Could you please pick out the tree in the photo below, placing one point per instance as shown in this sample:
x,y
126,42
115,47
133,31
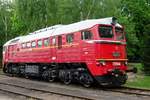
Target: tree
x,y
146,50
139,13
5,22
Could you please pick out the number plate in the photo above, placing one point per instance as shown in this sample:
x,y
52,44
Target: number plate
x,y
116,63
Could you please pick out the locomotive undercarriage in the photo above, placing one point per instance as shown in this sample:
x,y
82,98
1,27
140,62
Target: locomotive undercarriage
x,y
67,73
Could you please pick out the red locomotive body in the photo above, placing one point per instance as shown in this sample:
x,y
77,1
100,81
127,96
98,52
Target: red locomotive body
x,y
87,51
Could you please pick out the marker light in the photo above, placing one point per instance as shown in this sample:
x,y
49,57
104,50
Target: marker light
x,y
126,63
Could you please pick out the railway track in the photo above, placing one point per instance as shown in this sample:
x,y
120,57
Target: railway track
x,y
15,85
20,94
38,94
130,91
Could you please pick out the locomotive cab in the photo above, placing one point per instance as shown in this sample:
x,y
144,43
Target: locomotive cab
x,y
111,55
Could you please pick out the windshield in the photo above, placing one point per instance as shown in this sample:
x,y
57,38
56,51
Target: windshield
x,y
105,32
119,33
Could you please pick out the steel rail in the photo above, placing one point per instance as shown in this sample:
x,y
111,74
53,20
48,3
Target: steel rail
x,y
46,91
130,90
21,94
123,89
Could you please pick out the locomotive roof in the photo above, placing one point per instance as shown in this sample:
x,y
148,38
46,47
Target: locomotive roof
x,y
63,29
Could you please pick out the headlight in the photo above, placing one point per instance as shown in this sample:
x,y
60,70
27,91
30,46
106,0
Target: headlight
x,y
116,63
126,63
103,63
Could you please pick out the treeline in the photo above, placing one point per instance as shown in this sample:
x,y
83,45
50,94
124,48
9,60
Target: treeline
x,y
19,17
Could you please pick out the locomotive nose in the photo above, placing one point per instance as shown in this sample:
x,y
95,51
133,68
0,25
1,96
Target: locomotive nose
x,y
113,78
111,51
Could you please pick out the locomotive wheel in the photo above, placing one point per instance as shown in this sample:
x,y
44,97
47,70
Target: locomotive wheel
x,y
51,78
45,75
86,80
51,75
5,70
67,78
26,76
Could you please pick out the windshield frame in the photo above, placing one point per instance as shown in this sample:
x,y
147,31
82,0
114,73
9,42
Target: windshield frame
x,y
123,33
4,48
106,38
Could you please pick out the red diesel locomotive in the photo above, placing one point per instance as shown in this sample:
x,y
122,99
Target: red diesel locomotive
x,y
86,52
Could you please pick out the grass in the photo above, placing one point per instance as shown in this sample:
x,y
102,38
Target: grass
x,y
137,65
139,80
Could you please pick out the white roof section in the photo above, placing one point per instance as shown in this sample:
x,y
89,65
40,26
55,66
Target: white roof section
x,y
13,41
63,29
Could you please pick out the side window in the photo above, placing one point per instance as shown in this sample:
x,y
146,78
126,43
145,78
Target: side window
x,y
69,38
119,33
54,41
28,44
46,42
33,45
105,32
39,43
86,35
23,45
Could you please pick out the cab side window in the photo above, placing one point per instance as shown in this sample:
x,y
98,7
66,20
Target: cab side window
x,y
39,43
69,38
86,35
105,32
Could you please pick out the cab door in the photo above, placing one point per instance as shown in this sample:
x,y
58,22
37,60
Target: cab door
x,y
88,51
53,49
59,49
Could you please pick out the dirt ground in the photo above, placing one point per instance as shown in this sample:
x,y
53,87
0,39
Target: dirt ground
x,y
8,96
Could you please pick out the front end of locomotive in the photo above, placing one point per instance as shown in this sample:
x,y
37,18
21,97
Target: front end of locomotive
x,y
111,57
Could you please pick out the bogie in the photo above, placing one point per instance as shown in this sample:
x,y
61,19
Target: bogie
x,y
51,73
86,79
